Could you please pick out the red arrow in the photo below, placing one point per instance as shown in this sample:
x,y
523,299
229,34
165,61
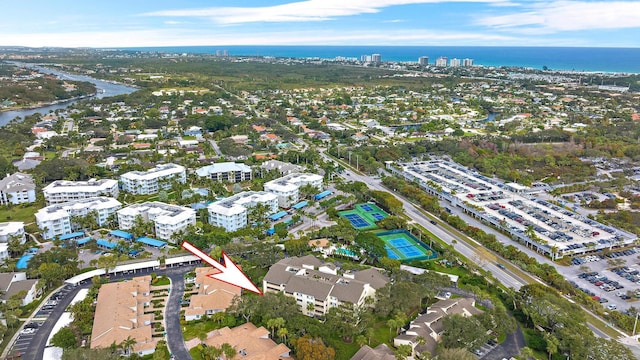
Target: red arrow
x,y
229,272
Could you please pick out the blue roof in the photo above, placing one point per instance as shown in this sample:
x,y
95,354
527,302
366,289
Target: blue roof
x,y
278,215
271,231
83,240
107,244
300,205
152,242
323,194
24,261
72,235
121,234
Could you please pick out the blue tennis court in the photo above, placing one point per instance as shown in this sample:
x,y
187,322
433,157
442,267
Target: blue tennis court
x,y
356,220
403,246
366,207
377,216
399,242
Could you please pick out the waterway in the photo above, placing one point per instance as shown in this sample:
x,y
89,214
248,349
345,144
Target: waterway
x,y
104,88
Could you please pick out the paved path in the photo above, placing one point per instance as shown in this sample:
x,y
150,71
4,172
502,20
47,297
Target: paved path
x,y
510,347
175,340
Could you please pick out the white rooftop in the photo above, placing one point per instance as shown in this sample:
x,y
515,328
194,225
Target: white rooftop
x,y
159,211
238,203
8,228
58,211
153,173
222,167
65,186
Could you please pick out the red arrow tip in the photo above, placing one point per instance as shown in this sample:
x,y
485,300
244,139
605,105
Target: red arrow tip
x,y
229,272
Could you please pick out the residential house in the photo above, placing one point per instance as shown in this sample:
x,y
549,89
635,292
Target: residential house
x,y
380,352
55,220
62,191
120,314
249,341
429,325
167,219
287,187
16,189
12,283
213,295
317,287
284,168
226,171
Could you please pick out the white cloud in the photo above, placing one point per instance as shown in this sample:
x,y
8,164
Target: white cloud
x,y
301,11
568,16
394,21
172,22
178,37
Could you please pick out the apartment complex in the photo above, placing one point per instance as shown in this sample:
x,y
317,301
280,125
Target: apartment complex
x,y
55,220
61,191
167,219
120,314
249,341
14,282
152,180
287,188
12,229
16,189
213,295
231,213
226,171
317,287
428,326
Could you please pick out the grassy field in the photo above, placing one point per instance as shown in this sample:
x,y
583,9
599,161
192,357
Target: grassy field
x,y
23,213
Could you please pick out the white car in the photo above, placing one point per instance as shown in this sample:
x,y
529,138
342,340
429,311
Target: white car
x,y
28,331
612,306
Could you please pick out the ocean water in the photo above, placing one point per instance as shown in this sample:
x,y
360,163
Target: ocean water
x,y
625,60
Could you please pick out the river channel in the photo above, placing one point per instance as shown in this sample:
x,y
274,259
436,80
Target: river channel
x,y
104,88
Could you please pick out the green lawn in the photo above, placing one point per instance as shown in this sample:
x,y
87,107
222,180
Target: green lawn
x,y
161,281
23,213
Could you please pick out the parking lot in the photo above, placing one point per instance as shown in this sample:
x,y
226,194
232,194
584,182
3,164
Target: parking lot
x,y
613,279
30,329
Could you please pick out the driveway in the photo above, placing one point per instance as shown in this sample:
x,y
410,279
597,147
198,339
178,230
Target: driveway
x,y
175,341
510,347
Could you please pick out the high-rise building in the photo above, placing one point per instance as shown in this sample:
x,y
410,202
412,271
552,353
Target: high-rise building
x,y
225,52
441,61
454,62
376,58
467,62
218,52
423,60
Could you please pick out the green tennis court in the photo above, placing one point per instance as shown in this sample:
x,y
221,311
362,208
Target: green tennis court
x,y
364,216
403,246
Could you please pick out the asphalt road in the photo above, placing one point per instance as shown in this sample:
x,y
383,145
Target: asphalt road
x,y
175,341
39,341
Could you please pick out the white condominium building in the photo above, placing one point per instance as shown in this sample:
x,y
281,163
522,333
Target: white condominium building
x,y
18,188
61,191
55,220
11,229
167,218
287,187
152,180
231,213
226,171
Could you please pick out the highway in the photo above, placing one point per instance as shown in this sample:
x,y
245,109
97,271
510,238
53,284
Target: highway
x,y
479,255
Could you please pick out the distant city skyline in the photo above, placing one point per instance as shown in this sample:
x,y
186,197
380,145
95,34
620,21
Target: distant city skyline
x,y
116,23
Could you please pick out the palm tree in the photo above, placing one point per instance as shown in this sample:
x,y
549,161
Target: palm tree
x,y
228,351
282,334
127,344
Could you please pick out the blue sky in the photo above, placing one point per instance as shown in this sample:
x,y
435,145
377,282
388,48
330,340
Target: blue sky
x,y
133,23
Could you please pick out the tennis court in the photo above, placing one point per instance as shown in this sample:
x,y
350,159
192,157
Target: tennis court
x,y
403,246
364,216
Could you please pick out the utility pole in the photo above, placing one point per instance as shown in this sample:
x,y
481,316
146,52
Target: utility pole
x,y
349,158
357,162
